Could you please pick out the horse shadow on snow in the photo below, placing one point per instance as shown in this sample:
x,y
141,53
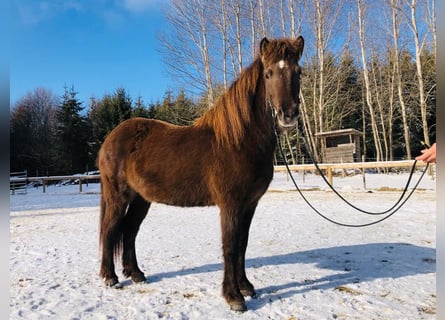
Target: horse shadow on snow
x,y
353,263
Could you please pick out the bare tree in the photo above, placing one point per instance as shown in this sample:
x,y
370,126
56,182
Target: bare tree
x,y
419,44
262,18
431,20
395,30
322,17
369,103
235,7
253,36
213,40
187,53
32,132
221,21
293,33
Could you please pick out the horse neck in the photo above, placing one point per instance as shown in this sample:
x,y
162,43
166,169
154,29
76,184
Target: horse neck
x,y
264,122
240,116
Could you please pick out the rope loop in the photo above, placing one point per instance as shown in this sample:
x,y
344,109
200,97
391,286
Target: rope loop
x,y
389,212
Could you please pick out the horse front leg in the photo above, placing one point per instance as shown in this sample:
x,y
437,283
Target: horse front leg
x,y
246,288
230,230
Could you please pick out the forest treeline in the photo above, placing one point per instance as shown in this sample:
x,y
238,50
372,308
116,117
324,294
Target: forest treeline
x,y
367,65
369,62
52,135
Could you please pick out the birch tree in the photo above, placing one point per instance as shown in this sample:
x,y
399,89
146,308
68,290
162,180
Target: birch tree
x,y
398,77
322,17
419,44
369,103
187,52
211,41
221,21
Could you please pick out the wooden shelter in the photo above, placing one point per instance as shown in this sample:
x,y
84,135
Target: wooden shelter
x,y
340,146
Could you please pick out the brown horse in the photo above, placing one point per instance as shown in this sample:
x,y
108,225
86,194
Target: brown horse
x,y
225,158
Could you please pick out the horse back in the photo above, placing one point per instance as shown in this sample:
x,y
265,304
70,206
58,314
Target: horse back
x,y
162,162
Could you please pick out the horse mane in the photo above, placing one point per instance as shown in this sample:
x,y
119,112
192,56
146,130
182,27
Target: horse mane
x,y
232,112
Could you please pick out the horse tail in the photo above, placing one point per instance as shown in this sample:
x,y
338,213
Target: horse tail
x,y
110,231
102,215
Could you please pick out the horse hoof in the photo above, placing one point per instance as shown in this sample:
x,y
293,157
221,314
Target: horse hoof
x,y
238,306
118,286
248,293
112,282
138,278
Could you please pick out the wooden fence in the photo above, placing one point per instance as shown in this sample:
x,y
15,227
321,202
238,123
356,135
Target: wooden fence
x,y
77,178
17,182
328,168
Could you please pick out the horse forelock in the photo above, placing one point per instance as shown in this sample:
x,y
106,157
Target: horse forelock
x,y
283,49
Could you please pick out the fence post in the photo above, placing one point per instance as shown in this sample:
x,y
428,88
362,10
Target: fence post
x,y
44,185
363,174
329,172
304,172
80,185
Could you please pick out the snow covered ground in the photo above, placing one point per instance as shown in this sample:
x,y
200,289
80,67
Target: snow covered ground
x,y
302,266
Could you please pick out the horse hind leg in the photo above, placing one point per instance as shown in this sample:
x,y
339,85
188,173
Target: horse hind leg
x,y
112,214
136,213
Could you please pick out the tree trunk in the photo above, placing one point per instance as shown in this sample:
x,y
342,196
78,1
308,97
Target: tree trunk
x,y
398,76
418,46
374,126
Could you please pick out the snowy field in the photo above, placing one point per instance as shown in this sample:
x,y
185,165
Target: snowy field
x,y
302,266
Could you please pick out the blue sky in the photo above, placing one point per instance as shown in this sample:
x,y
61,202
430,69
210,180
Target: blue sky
x,y
97,46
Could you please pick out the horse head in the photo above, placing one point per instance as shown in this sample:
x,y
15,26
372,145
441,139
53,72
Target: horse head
x,y
282,78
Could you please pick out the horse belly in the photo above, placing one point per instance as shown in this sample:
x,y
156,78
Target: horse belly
x,y
183,187
176,195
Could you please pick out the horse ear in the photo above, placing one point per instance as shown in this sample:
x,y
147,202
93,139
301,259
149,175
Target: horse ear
x,y
300,44
263,45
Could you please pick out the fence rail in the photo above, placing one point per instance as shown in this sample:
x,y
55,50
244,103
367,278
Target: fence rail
x,y
329,168
17,182
44,180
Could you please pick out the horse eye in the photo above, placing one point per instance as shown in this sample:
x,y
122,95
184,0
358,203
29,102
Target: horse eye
x,y
268,74
298,71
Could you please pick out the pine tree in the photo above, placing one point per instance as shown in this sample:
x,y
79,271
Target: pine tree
x,y
72,134
122,105
139,110
105,115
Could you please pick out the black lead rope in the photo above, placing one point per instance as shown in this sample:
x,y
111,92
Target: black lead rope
x,y
405,189
399,203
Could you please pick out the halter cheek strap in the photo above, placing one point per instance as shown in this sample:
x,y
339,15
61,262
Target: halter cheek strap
x,y
274,116
272,109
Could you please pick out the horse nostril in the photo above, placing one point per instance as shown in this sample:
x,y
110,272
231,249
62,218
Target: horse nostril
x,y
291,114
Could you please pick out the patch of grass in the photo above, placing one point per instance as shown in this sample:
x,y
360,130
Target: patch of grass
x,y
348,290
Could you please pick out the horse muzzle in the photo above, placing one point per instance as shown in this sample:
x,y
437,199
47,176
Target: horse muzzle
x,y
288,119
